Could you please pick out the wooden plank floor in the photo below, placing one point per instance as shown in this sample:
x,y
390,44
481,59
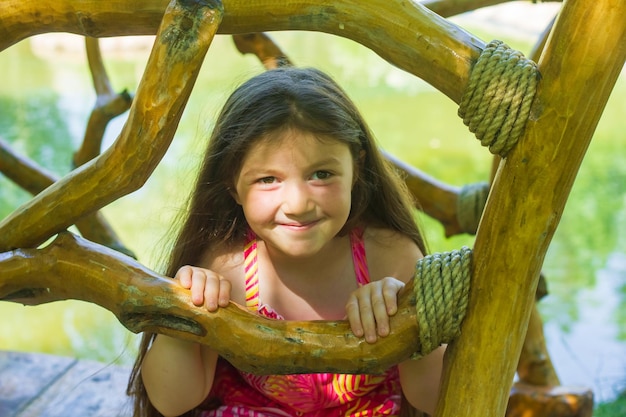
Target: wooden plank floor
x,y
38,385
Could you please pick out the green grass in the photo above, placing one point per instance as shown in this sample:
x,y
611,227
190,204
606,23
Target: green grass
x,y
616,408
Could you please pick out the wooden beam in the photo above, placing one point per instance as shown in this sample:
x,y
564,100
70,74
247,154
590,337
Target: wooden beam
x,y
109,105
34,179
143,300
435,198
579,67
406,34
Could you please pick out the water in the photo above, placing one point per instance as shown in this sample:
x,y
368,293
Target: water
x,y
592,351
46,96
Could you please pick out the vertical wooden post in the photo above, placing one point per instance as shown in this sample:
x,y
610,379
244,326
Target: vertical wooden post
x,y
582,60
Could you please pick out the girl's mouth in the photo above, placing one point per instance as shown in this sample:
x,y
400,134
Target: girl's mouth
x,y
300,226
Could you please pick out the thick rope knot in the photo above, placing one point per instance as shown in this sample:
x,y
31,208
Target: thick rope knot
x,y
470,205
496,102
441,286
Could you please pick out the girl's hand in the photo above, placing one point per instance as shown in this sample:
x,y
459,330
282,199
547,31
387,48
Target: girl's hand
x,y
207,287
370,306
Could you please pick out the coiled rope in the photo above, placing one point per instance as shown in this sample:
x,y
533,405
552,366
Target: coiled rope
x,y
441,287
470,205
496,102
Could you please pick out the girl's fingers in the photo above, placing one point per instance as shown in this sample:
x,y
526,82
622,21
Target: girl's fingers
x,y
368,308
211,290
198,284
368,320
207,287
216,292
380,310
391,288
360,314
224,294
354,317
184,276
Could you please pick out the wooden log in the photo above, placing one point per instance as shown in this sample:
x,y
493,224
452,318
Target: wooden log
x,y
435,198
535,366
579,68
34,179
109,105
263,47
143,300
183,40
533,401
23,171
406,34
448,8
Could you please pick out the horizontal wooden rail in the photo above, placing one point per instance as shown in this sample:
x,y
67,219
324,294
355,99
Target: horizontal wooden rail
x,y
142,300
406,34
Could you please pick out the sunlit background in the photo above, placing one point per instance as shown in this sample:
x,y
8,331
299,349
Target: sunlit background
x,y
46,96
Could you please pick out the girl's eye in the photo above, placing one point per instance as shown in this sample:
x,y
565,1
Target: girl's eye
x,y
266,180
321,175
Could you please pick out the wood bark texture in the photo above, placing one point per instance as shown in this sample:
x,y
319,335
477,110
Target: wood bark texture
x,y
406,34
579,67
143,300
172,68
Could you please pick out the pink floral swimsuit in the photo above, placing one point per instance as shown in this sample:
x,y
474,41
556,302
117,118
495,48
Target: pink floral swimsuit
x,y
239,393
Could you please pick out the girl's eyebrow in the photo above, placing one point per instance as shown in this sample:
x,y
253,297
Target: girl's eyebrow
x,y
268,171
254,171
331,160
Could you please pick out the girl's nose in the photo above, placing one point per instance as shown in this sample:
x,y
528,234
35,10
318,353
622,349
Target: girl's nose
x,y
297,199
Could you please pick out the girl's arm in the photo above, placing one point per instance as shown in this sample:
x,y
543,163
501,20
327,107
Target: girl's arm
x,y
177,374
391,254
421,379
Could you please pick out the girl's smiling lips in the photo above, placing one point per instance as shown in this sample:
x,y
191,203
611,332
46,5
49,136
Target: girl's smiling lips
x,y
299,226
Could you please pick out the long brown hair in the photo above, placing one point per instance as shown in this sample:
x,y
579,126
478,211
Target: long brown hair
x,y
303,99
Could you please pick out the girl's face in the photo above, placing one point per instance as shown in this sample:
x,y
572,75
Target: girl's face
x,y
295,191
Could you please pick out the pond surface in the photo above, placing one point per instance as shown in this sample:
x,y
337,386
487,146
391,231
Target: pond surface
x,y
46,96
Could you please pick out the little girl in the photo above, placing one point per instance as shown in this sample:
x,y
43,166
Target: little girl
x,y
297,216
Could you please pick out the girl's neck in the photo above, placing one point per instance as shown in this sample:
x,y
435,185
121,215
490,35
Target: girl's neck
x,y
329,251
310,288
334,258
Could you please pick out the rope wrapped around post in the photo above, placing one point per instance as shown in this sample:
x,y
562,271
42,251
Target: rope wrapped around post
x,y
441,287
496,102
143,300
470,205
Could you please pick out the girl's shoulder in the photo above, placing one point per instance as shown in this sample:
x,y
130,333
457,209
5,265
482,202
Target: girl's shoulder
x,y
387,239
223,258
228,262
390,253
